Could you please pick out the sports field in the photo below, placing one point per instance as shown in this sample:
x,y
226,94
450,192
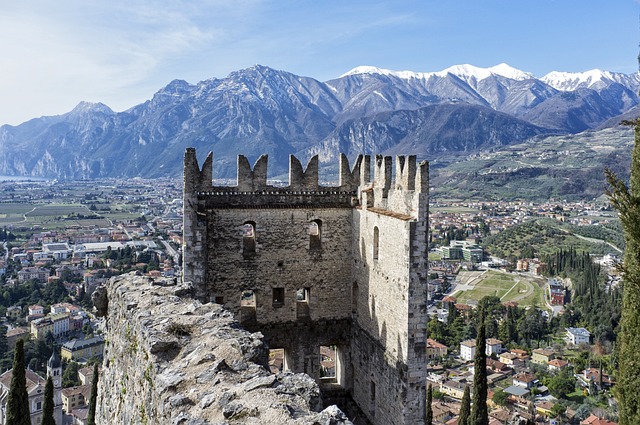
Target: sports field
x,y
474,285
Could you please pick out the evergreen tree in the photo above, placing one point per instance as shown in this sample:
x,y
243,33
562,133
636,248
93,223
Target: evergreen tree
x,y
465,408
70,376
47,407
91,417
428,414
627,201
18,401
479,413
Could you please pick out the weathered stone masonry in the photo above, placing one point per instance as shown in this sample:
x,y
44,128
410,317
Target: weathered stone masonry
x,y
310,266
170,359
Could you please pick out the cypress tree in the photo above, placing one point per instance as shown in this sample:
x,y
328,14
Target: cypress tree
x,y
91,417
627,201
465,409
428,412
48,406
18,401
479,413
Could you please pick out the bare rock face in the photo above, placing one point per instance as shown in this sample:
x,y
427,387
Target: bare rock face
x,y
174,360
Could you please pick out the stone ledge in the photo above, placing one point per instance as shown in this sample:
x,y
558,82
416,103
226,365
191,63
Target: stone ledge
x,y
174,360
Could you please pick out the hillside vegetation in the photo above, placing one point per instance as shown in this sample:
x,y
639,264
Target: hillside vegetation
x,y
538,237
567,167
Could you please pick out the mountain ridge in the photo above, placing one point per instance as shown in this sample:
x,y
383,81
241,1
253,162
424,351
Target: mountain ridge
x,y
262,110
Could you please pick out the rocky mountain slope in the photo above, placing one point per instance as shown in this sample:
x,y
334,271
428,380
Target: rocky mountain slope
x,y
368,110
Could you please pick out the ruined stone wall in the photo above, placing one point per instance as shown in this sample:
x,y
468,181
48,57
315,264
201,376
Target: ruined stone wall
x,y
390,270
366,288
170,359
284,258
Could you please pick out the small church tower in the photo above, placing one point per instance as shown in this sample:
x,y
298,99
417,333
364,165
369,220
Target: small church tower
x,y
54,370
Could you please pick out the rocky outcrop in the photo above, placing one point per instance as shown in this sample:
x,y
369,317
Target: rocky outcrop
x,y
170,359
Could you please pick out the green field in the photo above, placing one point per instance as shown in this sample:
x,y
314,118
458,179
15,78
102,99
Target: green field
x,y
524,290
60,215
14,213
57,210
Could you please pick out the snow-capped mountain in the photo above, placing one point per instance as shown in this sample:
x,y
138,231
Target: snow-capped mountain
x,y
595,78
367,110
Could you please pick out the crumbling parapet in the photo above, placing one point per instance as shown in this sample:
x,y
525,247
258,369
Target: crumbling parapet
x,y
170,359
252,180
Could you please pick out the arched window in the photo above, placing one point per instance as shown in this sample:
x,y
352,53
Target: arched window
x,y
376,242
249,239
315,235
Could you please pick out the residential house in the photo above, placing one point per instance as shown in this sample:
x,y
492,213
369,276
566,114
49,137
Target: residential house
x,y
435,349
593,375
521,354
594,420
14,312
493,346
556,292
85,375
525,380
577,336
75,397
41,327
497,366
60,324
14,335
443,411
35,312
557,364
518,396
82,349
542,355
80,416
545,408
33,273
468,349
453,389
36,309
510,359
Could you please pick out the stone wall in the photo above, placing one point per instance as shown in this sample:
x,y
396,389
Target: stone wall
x,y
169,359
284,258
361,287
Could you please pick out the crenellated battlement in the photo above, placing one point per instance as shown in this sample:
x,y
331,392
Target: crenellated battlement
x,y
409,176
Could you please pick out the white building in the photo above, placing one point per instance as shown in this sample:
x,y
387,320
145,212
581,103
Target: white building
x,y
577,336
468,349
494,346
60,324
59,251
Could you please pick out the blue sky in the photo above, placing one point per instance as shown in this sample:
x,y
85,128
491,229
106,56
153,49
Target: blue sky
x,y
56,54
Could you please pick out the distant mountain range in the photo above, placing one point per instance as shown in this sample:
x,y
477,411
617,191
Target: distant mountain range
x,y
457,111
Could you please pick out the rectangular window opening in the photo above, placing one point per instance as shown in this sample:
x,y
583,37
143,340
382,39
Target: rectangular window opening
x,y
278,297
372,394
302,295
247,306
302,304
328,363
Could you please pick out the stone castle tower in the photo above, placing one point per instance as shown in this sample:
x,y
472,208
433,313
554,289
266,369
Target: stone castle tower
x,y
334,277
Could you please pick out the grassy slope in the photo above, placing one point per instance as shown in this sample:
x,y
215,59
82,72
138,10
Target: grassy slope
x,y
544,236
561,167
